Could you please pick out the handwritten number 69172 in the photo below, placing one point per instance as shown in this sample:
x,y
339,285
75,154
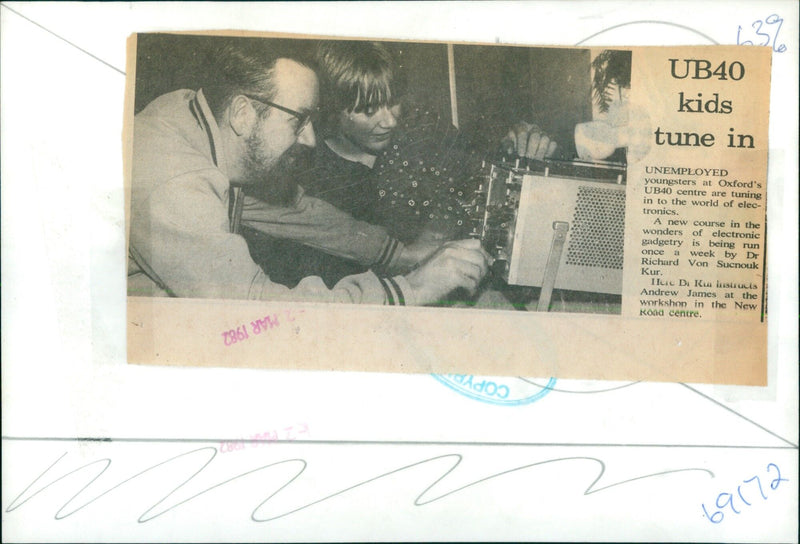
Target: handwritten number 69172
x,y
727,499
777,481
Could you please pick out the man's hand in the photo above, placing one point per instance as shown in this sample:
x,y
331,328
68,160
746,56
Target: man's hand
x,y
526,140
419,250
415,253
462,263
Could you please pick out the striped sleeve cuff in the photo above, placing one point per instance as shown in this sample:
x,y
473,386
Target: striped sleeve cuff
x,y
398,291
392,249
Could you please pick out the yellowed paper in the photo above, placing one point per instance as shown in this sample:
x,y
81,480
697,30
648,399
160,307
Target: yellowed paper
x,y
651,267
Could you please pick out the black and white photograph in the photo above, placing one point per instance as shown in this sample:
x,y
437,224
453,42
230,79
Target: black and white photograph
x,y
378,172
399,271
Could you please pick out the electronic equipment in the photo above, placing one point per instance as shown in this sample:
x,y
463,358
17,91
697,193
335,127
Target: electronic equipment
x,y
553,224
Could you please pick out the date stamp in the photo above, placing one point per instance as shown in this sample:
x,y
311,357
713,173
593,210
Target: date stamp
x,y
258,326
285,434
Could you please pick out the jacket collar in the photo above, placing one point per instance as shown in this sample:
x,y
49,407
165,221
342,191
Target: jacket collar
x,y
202,113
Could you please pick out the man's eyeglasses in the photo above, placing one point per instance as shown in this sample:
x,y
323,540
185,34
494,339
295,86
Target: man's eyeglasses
x,y
303,119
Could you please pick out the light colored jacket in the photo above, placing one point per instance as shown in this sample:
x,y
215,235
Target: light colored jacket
x,y
180,241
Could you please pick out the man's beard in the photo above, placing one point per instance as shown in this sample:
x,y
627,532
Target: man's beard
x,y
269,178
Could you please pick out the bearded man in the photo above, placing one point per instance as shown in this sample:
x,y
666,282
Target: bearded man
x,y
192,148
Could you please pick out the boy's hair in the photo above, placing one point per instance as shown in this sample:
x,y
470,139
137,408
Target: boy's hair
x,y
355,76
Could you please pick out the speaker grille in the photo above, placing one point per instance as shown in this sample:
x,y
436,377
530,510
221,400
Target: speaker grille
x,y
597,233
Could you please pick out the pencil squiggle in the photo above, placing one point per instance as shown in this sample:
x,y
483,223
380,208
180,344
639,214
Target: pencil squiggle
x,y
294,469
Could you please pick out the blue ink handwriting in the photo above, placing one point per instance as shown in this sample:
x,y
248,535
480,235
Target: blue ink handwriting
x,y
727,499
767,30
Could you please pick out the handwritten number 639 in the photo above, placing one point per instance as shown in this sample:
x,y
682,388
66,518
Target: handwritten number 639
x,y
727,499
768,25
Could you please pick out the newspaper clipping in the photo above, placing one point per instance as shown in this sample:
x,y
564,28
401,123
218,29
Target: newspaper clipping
x,y
310,203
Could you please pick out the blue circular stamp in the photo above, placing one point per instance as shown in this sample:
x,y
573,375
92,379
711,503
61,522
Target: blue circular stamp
x,y
501,391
